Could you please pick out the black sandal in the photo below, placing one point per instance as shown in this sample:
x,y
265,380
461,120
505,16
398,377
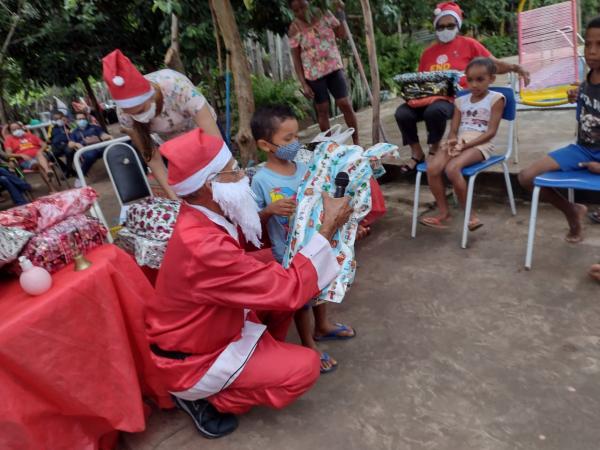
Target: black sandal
x,y
406,170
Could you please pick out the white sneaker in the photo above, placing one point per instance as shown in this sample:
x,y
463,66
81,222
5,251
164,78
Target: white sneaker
x,y
77,183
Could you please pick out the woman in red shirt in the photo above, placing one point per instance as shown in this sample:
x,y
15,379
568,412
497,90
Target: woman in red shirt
x,y
28,149
451,51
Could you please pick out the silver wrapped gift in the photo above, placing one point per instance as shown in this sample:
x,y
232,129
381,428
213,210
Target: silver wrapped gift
x,y
12,241
147,252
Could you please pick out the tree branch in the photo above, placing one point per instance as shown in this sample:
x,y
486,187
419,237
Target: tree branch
x,y
11,31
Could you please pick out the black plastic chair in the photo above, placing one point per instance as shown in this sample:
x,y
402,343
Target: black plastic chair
x,y
126,173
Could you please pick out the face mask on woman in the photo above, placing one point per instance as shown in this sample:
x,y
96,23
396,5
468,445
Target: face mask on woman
x,y
146,116
446,36
82,123
18,133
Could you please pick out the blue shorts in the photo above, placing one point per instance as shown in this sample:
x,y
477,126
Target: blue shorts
x,y
27,164
569,157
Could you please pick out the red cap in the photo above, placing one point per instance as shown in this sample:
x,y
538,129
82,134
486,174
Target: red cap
x,y
448,9
193,157
126,84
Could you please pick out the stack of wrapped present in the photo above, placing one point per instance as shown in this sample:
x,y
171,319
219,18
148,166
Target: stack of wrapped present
x,y
148,228
50,231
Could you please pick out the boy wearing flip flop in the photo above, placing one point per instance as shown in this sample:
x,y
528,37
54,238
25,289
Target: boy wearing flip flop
x,y
275,130
583,155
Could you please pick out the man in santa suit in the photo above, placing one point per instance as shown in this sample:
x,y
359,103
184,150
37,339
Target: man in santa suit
x,y
218,323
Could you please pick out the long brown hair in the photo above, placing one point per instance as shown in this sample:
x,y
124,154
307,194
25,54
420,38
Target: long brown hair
x,y
142,130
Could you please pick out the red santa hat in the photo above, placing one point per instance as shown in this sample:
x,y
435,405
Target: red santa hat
x,y
193,157
448,9
126,84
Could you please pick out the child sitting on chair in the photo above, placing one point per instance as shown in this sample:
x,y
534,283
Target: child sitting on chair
x,y
474,125
275,130
585,154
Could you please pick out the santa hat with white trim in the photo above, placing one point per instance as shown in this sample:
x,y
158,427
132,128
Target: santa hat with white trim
x,y
126,84
193,157
448,9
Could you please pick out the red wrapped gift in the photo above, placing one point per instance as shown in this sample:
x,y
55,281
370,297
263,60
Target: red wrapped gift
x,y
52,249
47,211
153,218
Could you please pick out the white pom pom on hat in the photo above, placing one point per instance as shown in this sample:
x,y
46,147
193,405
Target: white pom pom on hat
x,y
437,11
118,81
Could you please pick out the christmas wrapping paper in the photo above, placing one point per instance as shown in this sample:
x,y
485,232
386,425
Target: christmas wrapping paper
x,y
330,159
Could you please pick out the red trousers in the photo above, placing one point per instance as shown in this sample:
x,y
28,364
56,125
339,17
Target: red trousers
x,y
276,374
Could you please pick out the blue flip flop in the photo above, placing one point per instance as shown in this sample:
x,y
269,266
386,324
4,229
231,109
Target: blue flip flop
x,y
335,334
326,358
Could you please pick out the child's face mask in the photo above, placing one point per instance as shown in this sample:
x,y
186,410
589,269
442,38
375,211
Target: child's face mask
x,y
289,151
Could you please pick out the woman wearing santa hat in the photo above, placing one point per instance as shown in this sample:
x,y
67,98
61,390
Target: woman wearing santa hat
x,y
451,51
155,108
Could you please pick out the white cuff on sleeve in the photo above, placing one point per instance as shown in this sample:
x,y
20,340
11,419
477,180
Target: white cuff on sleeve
x,y
319,251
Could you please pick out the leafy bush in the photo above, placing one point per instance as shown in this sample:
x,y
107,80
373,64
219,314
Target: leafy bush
x,y
395,55
500,46
287,92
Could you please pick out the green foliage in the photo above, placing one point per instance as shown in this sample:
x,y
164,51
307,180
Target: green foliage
x,y
287,92
395,55
500,46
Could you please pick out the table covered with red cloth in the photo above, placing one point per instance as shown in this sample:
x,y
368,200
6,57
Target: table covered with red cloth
x,y
74,362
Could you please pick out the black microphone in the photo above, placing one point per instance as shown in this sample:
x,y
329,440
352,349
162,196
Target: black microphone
x,y
341,181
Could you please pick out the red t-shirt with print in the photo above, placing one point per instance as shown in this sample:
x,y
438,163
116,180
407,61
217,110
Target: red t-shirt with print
x,y
28,144
454,55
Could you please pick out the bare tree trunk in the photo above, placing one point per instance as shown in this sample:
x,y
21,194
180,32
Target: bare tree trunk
x,y
241,77
16,17
217,38
173,56
92,95
3,114
372,52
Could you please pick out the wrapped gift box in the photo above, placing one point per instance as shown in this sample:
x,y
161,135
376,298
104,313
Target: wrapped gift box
x,y
52,249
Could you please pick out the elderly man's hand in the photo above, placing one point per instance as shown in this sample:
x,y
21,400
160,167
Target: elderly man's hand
x,y
336,212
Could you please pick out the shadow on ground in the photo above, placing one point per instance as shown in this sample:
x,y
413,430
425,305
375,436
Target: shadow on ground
x,y
456,349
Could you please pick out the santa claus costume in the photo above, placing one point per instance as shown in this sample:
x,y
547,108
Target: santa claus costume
x,y
220,315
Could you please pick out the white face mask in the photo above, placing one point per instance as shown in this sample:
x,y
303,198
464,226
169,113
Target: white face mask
x,y
147,115
18,133
446,36
238,203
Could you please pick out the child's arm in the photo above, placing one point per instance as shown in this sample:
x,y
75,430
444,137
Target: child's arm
x,y
450,145
455,124
492,129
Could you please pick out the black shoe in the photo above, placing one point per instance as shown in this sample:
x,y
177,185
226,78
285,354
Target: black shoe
x,y
210,423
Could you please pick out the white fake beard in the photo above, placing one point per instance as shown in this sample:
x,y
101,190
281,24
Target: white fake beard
x,y
239,205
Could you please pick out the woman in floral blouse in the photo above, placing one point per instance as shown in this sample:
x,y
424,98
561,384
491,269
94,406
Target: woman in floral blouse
x,y
155,108
318,62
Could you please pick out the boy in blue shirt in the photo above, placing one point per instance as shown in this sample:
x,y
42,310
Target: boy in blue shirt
x,y
275,130
585,154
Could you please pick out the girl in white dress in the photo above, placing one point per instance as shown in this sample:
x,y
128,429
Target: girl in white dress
x,y
474,125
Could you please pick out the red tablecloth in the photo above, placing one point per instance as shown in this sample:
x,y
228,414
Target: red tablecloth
x,y
74,362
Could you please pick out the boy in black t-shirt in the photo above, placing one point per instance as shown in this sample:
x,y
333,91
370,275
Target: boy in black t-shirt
x,y
585,154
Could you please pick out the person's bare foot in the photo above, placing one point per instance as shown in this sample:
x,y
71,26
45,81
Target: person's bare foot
x,y
594,272
575,234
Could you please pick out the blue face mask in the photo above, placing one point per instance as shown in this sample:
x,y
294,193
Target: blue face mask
x,y
82,123
289,151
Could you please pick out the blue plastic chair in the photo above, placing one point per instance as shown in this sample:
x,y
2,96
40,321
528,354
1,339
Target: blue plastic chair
x,y
575,179
471,172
